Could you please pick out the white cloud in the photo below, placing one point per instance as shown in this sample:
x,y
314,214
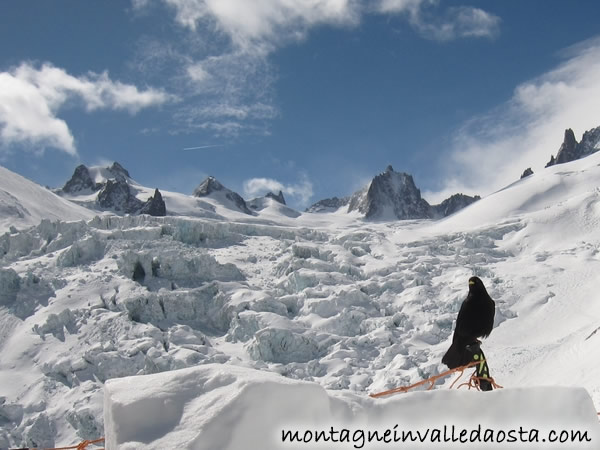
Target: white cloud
x,y
301,191
492,151
26,116
444,25
473,22
30,98
140,4
197,73
398,6
263,25
254,24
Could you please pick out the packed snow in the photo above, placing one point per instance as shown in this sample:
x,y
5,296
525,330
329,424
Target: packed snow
x,y
229,408
321,308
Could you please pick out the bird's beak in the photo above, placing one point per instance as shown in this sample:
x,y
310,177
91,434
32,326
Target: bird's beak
x,y
471,283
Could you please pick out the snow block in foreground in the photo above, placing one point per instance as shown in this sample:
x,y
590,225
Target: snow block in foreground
x,y
228,407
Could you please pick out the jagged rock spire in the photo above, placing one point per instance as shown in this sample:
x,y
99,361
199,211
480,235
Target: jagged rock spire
x,y
278,198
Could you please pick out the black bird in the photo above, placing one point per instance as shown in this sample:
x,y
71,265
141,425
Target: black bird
x,y
475,320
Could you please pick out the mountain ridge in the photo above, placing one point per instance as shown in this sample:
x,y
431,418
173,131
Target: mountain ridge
x,y
390,195
109,189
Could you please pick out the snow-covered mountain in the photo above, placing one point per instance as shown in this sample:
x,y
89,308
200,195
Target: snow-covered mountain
x,y
390,195
273,205
393,195
212,188
24,203
350,305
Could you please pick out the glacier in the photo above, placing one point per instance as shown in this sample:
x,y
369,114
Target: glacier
x,y
329,307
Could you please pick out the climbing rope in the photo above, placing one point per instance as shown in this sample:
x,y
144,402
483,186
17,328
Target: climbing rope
x,y
474,382
81,446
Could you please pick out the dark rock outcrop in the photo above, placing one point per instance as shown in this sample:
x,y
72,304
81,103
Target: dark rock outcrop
x,y
568,150
118,170
527,172
211,187
571,150
590,142
551,162
116,196
328,205
278,198
453,204
154,206
81,181
207,187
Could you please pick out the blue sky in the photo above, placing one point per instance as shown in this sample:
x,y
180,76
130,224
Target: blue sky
x,y
313,97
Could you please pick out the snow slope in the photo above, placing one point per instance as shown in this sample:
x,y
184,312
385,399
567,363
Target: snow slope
x,y
353,306
24,203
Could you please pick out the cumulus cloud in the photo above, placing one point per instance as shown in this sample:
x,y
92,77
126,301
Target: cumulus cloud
x,y
491,152
260,24
301,191
30,98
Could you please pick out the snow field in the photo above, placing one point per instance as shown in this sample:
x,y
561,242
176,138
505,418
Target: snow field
x,y
24,203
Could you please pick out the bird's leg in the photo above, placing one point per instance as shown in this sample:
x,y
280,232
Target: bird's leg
x,y
482,371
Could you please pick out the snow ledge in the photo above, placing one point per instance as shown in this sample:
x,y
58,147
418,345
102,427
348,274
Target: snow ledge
x,y
229,407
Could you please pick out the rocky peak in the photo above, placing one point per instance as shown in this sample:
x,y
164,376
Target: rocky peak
x,y
568,149
118,170
80,181
211,186
453,204
590,142
278,198
571,150
391,194
207,187
155,205
82,178
116,196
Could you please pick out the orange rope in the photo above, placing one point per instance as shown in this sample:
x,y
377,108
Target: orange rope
x,y
475,383
430,380
81,446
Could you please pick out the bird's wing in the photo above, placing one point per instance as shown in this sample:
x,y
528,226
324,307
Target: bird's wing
x,y
462,319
